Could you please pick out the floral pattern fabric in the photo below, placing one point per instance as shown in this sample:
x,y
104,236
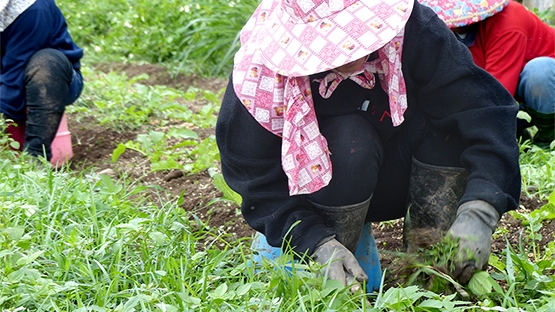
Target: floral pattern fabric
x,y
466,12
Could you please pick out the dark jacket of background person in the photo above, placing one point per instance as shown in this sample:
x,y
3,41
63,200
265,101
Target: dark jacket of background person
x,y
435,66
41,26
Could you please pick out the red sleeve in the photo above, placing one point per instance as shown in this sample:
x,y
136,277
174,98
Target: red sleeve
x,y
505,53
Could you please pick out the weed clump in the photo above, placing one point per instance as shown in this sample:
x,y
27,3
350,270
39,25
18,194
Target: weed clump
x,y
429,262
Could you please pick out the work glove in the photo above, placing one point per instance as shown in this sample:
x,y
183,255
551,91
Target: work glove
x,y
343,266
475,223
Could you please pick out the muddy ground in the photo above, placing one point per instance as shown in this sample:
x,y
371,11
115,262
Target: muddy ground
x,y
93,146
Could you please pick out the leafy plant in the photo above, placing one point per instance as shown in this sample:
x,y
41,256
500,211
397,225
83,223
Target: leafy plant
x,y
537,167
124,103
529,282
188,36
208,40
413,298
7,144
190,155
221,185
533,222
547,15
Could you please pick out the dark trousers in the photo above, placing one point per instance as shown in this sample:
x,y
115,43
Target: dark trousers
x,y
51,84
365,164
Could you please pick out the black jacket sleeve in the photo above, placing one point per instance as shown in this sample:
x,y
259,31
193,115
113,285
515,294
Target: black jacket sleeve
x,y
457,95
251,164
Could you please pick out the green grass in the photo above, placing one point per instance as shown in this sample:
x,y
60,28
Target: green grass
x,y
186,36
537,167
88,243
80,241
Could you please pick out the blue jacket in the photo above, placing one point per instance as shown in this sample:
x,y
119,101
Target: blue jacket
x,y
41,26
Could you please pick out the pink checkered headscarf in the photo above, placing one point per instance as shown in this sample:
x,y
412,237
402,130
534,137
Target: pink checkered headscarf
x,y
285,41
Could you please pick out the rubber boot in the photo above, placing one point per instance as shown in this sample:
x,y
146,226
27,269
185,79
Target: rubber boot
x,y
355,233
522,130
41,130
48,76
434,194
369,259
366,253
546,128
263,249
346,221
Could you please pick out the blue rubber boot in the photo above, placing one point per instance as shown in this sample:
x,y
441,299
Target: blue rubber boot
x,y
263,249
369,259
366,254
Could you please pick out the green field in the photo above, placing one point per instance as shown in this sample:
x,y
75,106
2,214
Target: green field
x,y
81,240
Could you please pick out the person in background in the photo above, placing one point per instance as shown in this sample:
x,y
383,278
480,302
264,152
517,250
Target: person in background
x,y
517,48
342,113
40,71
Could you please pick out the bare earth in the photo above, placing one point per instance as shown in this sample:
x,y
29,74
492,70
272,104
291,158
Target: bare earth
x,y
93,146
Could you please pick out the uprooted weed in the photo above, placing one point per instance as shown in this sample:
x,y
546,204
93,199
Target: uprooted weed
x,y
429,264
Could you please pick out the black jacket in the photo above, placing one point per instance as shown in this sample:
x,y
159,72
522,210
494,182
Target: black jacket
x,y
442,81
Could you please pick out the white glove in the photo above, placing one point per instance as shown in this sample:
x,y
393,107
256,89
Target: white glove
x,y
475,223
343,266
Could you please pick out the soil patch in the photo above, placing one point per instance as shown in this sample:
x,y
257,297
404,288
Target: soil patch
x,y
158,75
93,146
